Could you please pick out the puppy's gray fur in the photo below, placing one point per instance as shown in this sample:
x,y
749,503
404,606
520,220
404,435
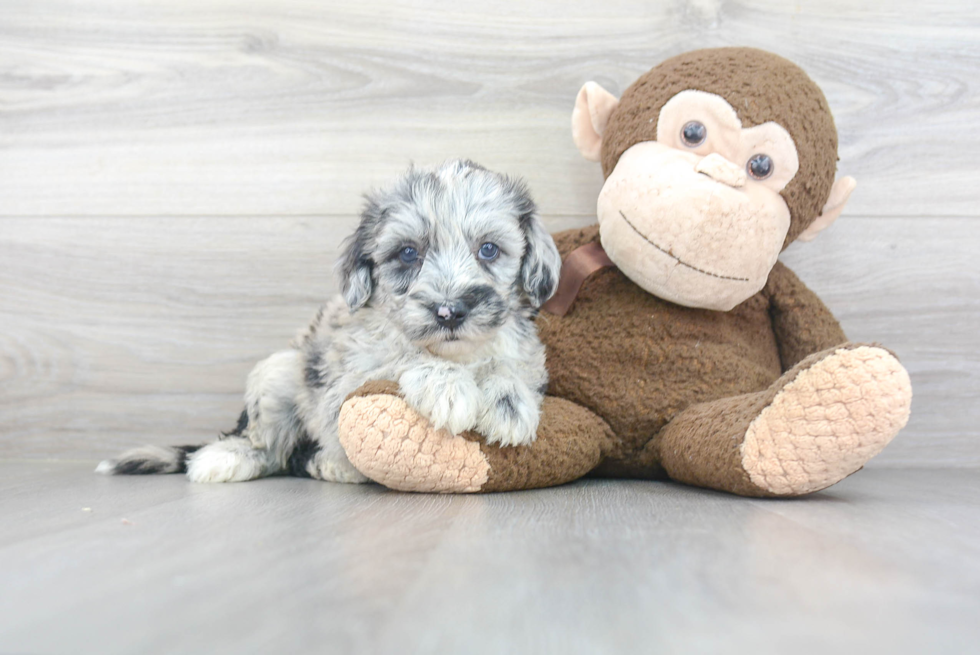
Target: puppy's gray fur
x,y
486,373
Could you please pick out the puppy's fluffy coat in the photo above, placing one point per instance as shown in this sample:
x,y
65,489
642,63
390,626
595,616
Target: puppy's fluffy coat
x,y
441,283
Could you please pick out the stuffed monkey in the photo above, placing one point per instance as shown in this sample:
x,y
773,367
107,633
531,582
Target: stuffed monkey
x,y
678,346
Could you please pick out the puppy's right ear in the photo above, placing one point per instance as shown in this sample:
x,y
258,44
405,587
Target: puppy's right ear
x,y
356,267
541,265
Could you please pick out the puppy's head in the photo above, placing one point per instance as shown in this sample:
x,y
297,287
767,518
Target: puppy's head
x,y
450,254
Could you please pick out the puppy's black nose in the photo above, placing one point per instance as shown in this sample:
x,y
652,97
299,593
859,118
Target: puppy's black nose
x,y
451,315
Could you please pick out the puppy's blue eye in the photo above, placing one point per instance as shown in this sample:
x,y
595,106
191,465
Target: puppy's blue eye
x,y
488,251
408,255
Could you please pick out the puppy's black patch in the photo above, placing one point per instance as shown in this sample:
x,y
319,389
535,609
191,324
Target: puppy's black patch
x,y
184,451
402,278
545,287
141,467
312,373
488,308
303,453
506,405
239,429
155,466
478,295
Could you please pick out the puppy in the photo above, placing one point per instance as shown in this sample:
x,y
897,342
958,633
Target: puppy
x,y
441,283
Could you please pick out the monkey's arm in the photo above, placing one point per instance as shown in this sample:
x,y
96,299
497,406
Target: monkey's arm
x,y
393,445
802,323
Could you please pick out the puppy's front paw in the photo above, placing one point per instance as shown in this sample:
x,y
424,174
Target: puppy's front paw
x,y
510,414
445,393
335,467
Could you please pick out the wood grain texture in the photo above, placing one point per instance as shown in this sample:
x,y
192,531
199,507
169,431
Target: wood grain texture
x,y
291,107
885,562
123,331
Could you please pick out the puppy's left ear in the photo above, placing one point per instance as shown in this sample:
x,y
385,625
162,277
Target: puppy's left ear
x,y
356,268
541,264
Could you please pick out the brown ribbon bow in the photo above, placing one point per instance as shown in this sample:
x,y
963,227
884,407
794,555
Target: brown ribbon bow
x,y
580,264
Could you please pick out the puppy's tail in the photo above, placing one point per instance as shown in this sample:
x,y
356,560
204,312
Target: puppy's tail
x,y
157,460
148,460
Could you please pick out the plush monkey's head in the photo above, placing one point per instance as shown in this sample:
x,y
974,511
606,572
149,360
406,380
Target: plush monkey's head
x,y
715,161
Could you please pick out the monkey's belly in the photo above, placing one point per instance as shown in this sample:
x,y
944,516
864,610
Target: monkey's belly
x,y
637,360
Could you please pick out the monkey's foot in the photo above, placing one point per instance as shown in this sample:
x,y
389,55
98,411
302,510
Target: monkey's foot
x,y
828,421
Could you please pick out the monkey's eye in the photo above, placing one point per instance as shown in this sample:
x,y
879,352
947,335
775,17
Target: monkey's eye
x,y
760,166
408,255
693,134
488,252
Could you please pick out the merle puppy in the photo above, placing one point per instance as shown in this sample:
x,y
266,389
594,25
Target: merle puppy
x,y
441,283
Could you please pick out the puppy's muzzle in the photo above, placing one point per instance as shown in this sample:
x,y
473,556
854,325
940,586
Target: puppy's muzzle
x,y
451,315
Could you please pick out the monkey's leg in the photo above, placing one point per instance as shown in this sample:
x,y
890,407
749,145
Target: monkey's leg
x,y
820,422
390,443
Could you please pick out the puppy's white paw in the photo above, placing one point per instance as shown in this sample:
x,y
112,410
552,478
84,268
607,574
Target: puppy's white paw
x,y
445,393
511,413
336,468
224,462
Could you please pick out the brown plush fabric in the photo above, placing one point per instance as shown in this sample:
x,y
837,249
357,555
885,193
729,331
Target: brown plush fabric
x,y
375,387
637,360
801,322
672,356
761,87
571,442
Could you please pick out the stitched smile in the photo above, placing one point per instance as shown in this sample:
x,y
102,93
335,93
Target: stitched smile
x,y
677,259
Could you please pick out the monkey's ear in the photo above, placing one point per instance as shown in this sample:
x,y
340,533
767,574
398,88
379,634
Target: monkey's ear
x,y
593,106
839,194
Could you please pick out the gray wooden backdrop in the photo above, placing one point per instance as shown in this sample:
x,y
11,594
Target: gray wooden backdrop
x,y
175,178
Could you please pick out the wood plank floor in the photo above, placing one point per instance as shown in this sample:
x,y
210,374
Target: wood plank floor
x,y
886,561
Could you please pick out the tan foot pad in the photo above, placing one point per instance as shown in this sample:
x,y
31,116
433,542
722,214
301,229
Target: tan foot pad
x,y
392,444
826,423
